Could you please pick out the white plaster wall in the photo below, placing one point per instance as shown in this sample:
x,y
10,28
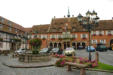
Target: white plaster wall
x,y
5,46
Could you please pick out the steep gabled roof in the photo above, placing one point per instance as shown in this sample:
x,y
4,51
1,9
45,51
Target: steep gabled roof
x,y
105,25
12,24
40,28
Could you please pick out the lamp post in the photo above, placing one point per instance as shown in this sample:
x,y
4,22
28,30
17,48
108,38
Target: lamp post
x,y
89,22
26,39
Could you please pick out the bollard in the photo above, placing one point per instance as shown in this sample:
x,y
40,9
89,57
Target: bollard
x,y
97,57
82,71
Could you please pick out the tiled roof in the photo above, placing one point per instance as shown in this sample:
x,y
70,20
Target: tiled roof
x,y
40,28
70,24
12,24
105,25
28,29
59,25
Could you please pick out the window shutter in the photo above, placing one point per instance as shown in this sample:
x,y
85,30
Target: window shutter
x,y
102,32
106,32
86,35
112,32
75,35
97,32
104,41
91,32
81,35
92,41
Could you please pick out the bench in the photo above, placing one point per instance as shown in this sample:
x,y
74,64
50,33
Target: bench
x,y
80,66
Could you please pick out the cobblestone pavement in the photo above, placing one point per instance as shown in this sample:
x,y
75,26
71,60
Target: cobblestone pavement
x,y
4,70
105,57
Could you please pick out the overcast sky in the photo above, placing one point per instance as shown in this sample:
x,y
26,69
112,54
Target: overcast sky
x,y
35,12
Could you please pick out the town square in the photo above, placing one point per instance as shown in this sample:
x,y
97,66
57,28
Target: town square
x,y
40,37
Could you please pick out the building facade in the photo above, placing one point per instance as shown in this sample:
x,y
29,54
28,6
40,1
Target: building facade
x,y
68,32
12,35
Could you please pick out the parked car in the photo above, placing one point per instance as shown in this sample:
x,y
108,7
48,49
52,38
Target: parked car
x,y
69,51
20,51
55,50
90,49
80,47
44,51
101,48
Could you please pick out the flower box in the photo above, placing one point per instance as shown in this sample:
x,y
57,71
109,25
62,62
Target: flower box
x,y
100,34
94,34
109,34
84,38
59,38
53,39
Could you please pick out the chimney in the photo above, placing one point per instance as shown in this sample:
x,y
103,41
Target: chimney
x,y
112,19
54,17
64,16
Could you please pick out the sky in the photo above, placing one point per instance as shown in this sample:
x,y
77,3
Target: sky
x,y
38,12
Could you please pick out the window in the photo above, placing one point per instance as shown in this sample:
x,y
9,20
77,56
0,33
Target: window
x,y
32,36
83,36
66,34
35,36
94,41
59,36
74,36
101,32
2,20
1,26
10,28
97,32
16,30
9,23
43,36
108,32
52,36
93,33
1,44
103,41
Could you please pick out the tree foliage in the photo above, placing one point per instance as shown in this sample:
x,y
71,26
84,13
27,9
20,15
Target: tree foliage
x,y
35,43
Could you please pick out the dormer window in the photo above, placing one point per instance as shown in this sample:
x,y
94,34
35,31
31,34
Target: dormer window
x,y
79,17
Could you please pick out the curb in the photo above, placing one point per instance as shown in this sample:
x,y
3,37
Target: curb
x,y
89,69
12,66
99,70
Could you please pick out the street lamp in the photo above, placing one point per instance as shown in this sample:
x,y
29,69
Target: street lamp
x,y
26,39
89,22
